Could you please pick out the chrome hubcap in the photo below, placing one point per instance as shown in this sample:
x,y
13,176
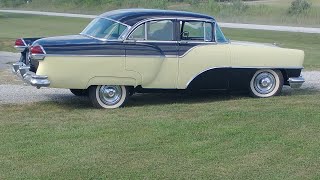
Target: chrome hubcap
x,y
110,95
264,83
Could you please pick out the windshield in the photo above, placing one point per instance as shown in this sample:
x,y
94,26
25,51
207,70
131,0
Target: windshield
x,y
105,29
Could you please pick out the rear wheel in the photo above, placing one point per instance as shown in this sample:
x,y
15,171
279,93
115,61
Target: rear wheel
x,y
79,92
108,96
266,83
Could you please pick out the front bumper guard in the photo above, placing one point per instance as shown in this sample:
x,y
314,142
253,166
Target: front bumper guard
x,y
23,71
296,82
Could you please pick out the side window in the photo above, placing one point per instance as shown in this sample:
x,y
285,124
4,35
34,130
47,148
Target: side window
x,y
196,31
154,31
139,33
220,36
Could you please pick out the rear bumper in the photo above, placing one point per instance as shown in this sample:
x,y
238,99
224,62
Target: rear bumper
x,y
23,71
296,82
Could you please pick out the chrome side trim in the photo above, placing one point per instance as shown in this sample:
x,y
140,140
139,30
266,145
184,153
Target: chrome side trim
x,y
140,56
72,55
296,82
152,41
267,67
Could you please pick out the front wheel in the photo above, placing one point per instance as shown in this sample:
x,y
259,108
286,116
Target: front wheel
x,y
266,83
108,96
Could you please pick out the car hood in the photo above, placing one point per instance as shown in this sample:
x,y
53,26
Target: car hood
x,y
66,40
246,43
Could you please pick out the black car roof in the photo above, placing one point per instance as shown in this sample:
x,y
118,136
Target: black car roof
x,y
132,16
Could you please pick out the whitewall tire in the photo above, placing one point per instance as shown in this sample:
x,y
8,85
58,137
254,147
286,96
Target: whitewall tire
x,y
108,96
266,83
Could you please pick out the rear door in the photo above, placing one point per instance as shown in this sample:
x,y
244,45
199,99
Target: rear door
x,y
152,51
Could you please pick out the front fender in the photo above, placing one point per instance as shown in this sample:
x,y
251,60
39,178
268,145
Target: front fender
x,y
265,56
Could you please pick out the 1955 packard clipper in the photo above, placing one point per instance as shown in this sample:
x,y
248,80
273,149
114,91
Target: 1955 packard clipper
x,y
139,50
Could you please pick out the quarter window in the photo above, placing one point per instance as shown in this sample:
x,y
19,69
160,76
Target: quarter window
x,y
154,31
196,31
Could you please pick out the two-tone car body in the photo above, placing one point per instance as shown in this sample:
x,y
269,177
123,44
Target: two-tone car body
x,y
140,50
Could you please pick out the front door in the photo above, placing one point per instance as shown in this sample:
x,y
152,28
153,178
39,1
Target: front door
x,y
152,51
203,63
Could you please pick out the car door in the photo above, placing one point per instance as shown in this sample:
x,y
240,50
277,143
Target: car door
x,y
203,63
152,51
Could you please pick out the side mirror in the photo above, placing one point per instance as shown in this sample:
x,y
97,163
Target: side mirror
x,y
185,34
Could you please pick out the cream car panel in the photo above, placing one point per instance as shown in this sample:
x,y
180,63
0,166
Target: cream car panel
x,y
81,72
156,72
202,58
265,56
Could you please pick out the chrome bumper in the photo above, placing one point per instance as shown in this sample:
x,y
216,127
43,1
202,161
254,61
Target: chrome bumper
x,y
296,82
23,71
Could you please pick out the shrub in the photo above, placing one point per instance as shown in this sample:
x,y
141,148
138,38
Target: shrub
x,y
239,5
299,6
12,3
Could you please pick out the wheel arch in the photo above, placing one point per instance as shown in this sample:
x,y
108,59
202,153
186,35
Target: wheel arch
x,y
109,80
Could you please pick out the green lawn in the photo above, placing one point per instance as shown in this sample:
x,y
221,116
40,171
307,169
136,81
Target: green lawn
x,y
13,26
164,137
261,12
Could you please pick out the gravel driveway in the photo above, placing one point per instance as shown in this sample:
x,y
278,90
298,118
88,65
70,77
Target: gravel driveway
x,y
7,58
13,91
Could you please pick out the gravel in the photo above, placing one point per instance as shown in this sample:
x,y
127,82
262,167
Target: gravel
x,y
7,58
22,94
12,93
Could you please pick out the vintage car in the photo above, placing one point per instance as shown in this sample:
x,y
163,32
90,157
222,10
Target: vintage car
x,y
141,50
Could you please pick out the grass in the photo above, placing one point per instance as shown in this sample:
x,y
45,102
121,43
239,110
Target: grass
x,y
265,12
164,137
17,25
6,77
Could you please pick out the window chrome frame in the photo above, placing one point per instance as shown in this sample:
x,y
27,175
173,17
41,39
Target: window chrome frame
x,y
134,27
121,37
216,37
138,24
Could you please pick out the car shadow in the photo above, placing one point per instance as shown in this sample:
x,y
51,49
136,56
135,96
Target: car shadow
x,y
181,98
158,99
145,99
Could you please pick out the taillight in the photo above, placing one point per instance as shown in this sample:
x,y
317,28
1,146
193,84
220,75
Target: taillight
x,y
20,42
37,50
